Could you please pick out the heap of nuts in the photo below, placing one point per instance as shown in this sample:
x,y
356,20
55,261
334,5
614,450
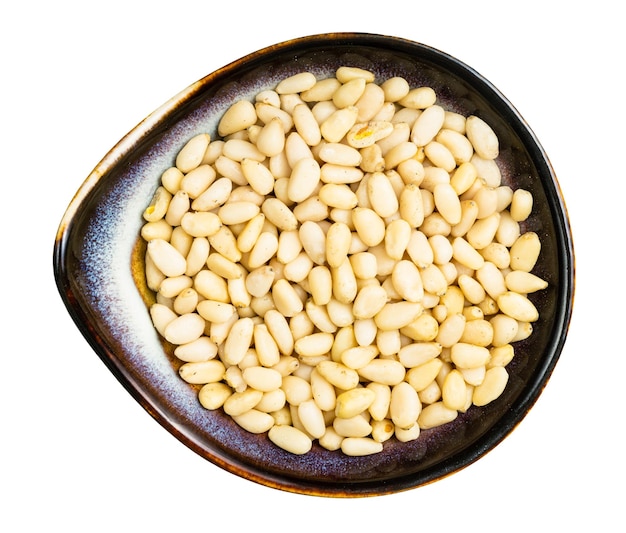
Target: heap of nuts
x,y
343,264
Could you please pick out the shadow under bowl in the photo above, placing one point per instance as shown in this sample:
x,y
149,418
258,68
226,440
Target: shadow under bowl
x,y
98,267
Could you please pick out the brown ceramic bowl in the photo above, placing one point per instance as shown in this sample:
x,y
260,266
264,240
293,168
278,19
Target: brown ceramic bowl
x,y
98,270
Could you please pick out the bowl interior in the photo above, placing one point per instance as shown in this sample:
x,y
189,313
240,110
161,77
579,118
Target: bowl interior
x,y
98,268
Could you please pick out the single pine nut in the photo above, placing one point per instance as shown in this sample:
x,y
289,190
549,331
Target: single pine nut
x,y
482,137
190,156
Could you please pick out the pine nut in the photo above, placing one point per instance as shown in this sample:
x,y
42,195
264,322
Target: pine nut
x,y
190,156
482,137
492,386
202,372
404,406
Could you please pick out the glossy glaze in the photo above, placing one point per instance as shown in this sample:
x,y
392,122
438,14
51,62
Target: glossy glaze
x,y
98,269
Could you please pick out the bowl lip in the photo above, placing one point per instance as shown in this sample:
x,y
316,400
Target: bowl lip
x,y
441,470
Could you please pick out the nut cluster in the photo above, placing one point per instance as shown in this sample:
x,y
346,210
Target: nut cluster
x,y
342,264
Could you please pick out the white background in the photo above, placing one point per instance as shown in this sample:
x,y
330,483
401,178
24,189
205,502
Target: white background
x,y
77,453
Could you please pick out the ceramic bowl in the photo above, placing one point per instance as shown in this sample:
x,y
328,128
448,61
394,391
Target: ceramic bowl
x,y
98,266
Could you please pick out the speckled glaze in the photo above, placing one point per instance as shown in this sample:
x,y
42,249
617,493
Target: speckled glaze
x,y
98,270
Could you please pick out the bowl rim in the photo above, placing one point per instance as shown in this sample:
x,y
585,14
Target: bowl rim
x,y
559,211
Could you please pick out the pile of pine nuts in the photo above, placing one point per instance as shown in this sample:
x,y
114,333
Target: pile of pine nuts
x,y
342,264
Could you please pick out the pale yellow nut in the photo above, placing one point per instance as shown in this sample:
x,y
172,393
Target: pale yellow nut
x,y
482,137
517,306
353,402
190,156
237,117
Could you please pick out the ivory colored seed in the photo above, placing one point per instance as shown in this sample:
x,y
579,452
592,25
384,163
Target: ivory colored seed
x,y
213,395
202,349
397,237
211,286
237,117
223,241
482,137
237,212
504,329
215,311
525,252
322,391
306,124
297,389
296,83
407,434
223,267
419,98
521,205
247,237
298,269
260,280
314,344
386,371
359,446
420,377
466,355
312,418
427,125
279,214
353,402
447,203
290,439
184,329
200,223
338,374
339,123
369,301
304,178
202,372
356,426
338,196
338,240
451,330
358,356
255,421
382,430
381,195
262,378
190,156
492,386
160,229
166,258
263,250
517,306
349,92
286,298
369,225
411,205
405,405
238,341
466,254
501,355
198,180
239,403
271,138
453,391
436,414
400,153
524,282
257,175
340,154
158,205
479,332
